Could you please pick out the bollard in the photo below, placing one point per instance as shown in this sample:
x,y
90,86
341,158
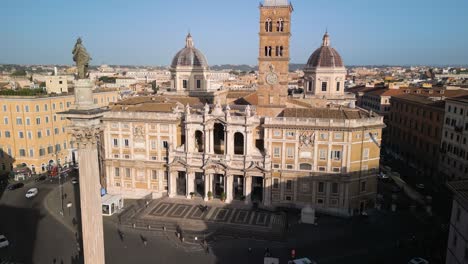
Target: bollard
x,y
183,239
149,227
164,228
134,225
196,238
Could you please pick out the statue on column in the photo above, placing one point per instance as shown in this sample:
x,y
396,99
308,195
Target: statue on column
x,y
82,58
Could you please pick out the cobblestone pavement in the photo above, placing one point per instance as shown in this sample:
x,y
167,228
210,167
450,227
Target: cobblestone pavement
x,y
210,220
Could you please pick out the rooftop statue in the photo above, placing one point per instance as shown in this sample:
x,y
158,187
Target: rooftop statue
x,y
82,58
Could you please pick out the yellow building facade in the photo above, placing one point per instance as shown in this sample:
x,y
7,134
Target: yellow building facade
x,y
32,132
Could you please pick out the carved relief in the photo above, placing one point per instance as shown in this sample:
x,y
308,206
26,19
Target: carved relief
x,y
306,139
86,137
138,133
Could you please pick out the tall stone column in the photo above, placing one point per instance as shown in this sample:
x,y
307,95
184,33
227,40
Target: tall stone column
x,y
190,183
229,187
90,194
248,189
172,183
267,190
207,186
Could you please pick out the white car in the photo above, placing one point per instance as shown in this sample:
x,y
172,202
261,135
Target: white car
x,y
4,242
418,261
382,175
31,192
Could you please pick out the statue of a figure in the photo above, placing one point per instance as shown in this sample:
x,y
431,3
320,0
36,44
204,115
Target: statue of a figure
x,y
82,58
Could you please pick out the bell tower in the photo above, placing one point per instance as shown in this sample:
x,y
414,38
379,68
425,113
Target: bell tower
x,y
273,59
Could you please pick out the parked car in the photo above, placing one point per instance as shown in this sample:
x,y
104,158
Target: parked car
x,y
418,261
74,181
4,241
382,175
15,186
41,178
32,192
420,186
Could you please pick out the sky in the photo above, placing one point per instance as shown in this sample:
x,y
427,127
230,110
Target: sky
x,y
150,32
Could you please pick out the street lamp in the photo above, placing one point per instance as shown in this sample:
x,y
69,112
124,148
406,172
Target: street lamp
x,y
60,183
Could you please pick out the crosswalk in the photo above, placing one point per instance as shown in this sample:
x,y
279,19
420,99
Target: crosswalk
x,y
8,262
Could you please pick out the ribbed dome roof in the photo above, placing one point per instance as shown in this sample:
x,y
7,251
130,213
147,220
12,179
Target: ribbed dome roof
x,y
325,56
189,56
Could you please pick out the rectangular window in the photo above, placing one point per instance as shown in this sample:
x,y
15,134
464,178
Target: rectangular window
x,y
276,152
117,172
50,150
288,185
289,166
277,133
323,154
290,134
334,188
363,186
29,135
323,136
46,107
116,142
338,135
53,106
275,183
18,109
41,152
5,120
22,153
198,84
28,121
276,166
338,86
185,84
47,119
126,143
19,121
321,187
366,153
56,131
7,134
128,173
154,175
21,134
336,169
39,134
31,153
153,144
290,152
335,155
48,132
4,108
324,86
38,120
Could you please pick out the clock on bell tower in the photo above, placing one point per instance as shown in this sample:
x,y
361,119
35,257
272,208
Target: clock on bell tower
x,y
273,59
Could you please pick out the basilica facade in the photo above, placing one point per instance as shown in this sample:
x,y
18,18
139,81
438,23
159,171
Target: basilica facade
x,y
242,147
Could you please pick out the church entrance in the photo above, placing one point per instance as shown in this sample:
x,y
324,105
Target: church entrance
x,y
181,183
199,184
257,189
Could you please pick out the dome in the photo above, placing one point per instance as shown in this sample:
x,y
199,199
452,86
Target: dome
x,y
189,56
325,56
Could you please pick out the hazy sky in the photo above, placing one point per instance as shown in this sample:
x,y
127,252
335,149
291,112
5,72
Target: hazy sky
x,y
150,32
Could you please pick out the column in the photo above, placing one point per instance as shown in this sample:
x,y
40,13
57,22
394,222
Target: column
x,y
90,194
190,183
172,181
207,186
229,187
229,139
267,185
248,189
211,140
161,181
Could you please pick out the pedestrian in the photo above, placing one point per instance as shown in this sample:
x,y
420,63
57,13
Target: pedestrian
x,y
249,250
121,234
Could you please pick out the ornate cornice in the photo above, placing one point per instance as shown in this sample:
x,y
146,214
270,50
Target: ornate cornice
x,y
86,137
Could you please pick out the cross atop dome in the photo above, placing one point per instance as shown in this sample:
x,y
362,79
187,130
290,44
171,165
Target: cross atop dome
x,y
276,3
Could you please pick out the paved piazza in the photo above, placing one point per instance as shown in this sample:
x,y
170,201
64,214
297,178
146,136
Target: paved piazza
x,y
197,215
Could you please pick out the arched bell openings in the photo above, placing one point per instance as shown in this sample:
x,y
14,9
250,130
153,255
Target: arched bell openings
x,y
268,25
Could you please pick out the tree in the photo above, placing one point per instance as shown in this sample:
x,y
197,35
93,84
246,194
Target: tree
x,y
20,72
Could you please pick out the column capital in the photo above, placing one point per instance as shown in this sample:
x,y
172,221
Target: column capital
x,y
86,137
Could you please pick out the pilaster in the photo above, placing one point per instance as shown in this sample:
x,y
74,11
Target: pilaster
x,y
229,187
248,189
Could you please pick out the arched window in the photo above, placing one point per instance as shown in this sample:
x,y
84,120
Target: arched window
x,y
238,143
305,166
268,25
218,140
268,51
199,141
280,25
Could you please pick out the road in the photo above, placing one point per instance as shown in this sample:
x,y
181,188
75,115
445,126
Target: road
x,y
37,237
